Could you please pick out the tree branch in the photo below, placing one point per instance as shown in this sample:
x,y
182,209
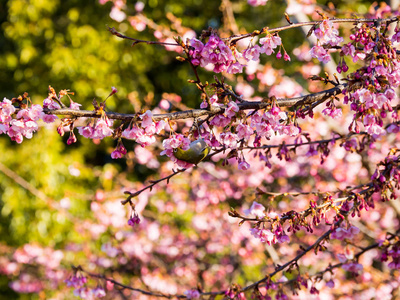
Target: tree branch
x,y
195,113
234,39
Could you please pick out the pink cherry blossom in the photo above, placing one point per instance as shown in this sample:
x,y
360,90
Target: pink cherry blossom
x,y
257,2
256,209
252,53
320,53
147,118
269,43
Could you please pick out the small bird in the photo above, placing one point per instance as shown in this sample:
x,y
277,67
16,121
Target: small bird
x,y
198,150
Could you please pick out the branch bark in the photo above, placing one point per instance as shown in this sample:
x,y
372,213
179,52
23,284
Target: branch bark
x,y
196,113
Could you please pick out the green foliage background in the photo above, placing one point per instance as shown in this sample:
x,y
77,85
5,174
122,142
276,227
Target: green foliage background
x,y
66,44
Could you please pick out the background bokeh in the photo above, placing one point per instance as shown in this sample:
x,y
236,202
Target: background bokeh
x,y
66,44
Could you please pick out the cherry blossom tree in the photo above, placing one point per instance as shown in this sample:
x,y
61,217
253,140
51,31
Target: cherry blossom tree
x,y
274,186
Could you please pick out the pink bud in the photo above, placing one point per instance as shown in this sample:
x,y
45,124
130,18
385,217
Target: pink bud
x,y
286,56
72,138
113,90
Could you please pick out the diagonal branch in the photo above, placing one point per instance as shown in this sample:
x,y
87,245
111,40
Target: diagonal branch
x,y
295,259
150,186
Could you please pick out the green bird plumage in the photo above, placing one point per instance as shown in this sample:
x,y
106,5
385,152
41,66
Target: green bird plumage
x,y
198,150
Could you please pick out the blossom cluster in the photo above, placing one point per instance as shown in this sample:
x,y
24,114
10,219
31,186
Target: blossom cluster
x,y
342,233
349,264
24,123
391,251
276,235
326,34
78,282
99,129
215,53
145,133
376,97
221,58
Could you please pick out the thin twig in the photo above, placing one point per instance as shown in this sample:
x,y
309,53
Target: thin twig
x,y
151,185
235,39
129,287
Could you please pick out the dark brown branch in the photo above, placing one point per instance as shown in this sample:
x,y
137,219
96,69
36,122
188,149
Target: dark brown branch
x,y
196,113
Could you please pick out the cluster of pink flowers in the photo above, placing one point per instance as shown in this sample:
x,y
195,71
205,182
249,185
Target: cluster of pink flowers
x,y
192,294
362,102
97,130
78,282
269,43
392,251
326,34
215,53
272,121
372,102
347,259
134,220
24,123
265,235
320,53
342,233
262,124
145,134
332,111
396,36
269,237
353,267
350,50
265,124
89,294
255,209
119,151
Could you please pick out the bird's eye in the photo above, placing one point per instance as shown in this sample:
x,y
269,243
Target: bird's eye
x,y
176,149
